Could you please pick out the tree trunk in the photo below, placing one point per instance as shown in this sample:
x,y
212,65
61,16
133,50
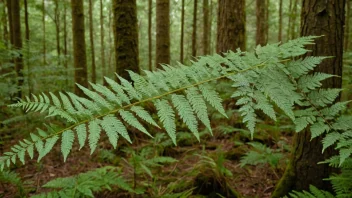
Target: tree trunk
x,y
319,17
288,33
102,42
347,27
44,44
231,32
280,22
211,44
4,23
182,30
57,26
9,14
206,28
150,46
126,37
26,19
110,41
294,20
17,42
261,23
91,36
65,43
79,45
194,32
162,32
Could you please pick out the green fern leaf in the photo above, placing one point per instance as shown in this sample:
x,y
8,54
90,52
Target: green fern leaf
x,y
311,82
67,143
330,139
110,96
140,112
55,100
95,97
199,106
318,128
323,97
213,98
66,103
49,144
121,129
94,134
302,67
118,89
131,120
111,131
132,92
185,112
167,117
81,135
344,154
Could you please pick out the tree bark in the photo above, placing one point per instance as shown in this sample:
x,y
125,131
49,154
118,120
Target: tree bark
x,y
102,42
4,23
79,45
318,17
65,43
280,21
150,45
17,42
9,14
294,19
194,32
231,32
182,30
126,37
91,36
288,33
162,32
206,28
57,27
26,19
261,22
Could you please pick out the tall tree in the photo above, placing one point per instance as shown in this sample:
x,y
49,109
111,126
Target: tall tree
x,y
126,37
57,26
79,45
44,34
182,29
102,43
17,41
194,32
9,15
65,42
231,32
280,21
261,22
347,27
206,28
162,32
4,23
91,38
293,15
26,19
318,17
150,46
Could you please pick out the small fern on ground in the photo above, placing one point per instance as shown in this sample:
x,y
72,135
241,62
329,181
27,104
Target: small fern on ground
x,y
85,184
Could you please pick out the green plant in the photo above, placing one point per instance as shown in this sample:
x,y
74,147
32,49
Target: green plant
x,y
271,76
261,154
84,184
14,179
314,193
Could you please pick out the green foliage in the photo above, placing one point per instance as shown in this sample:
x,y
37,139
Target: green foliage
x,y
14,179
268,80
85,184
314,193
261,154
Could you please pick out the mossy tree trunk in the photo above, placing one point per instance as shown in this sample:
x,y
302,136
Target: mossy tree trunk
x,y
102,42
79,45
280,21
319,17
261,37
231,32
126,37
162,32
17,42
347,27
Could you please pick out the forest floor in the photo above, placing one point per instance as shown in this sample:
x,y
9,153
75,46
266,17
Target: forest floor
x,y
208,167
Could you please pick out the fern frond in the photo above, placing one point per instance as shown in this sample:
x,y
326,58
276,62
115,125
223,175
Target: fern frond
x,y
67,143
94,134
184,110
167,117
131,120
